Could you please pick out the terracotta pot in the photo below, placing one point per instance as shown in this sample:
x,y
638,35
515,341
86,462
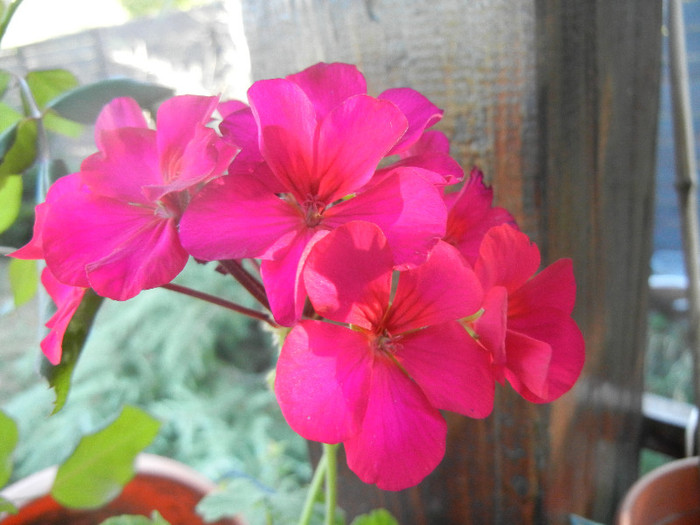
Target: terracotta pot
x,y
668,495
161,484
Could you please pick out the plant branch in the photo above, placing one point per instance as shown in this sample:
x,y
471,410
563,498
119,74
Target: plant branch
x,y
330,452
220,302
250,283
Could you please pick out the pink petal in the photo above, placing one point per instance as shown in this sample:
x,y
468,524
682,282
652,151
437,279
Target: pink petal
x,y
67,299
353,138
122,112
528,361
420,112
561,333
34,249
402,437
440,170
236,217
322,380
116,248
491,327
408,209
179,119
507,258
471,215
553,287
287,126
348,275
283,281
127,162
431,142
149,255
328,85
227,107
241,130
443,289
450,367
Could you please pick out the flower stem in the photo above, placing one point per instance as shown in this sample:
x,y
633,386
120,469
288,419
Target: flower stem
x,y
220,302
314,489
330,452
250,283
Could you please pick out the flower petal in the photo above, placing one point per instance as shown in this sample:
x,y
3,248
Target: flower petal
x,y
67,299
348,275
127,162
420,112
443,289
322,380
328,85
122,112
287,125
560,332
451,369
236,217
507,258
407,208
402,436
553,287
528,361
353,138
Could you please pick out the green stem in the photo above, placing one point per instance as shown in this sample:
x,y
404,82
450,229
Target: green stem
x,y
330,452
10,11
313,491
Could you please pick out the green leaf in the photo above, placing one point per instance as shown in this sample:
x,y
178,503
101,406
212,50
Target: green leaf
x,y
56,123
10,200
5,76
18,147
9,433
47,84
376,517
6,506
128,519
24,280
59,376
8,117
103,462
83,104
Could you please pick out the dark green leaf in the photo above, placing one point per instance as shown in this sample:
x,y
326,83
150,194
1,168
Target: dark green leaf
x,y
84,103
10,200
376,517
9,433
48,84
24,280
21,152
155,519
103,462
59,376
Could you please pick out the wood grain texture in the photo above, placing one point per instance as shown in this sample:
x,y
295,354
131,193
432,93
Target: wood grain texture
x,y
557,102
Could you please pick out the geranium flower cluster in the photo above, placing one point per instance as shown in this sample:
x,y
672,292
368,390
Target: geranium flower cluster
x,y
406,292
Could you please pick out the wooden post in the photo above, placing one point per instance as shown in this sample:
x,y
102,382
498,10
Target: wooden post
x,y
557,102
599,73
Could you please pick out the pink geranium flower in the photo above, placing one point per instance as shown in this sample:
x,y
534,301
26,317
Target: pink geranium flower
x,y
376,377
318,141
526,323
115,230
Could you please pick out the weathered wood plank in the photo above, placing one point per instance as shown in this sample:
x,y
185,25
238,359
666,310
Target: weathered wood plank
x,y
599,80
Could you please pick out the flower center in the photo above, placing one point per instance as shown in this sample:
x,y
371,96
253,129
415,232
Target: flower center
x,y
313,210
386,344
